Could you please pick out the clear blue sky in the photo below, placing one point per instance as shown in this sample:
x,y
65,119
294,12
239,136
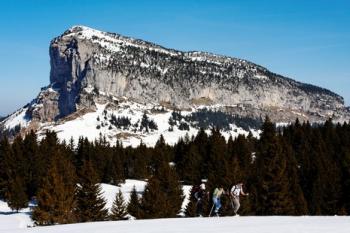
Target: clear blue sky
x,y
307,40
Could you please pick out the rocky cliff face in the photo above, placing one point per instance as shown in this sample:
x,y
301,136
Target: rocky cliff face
x,y
91,68
84,60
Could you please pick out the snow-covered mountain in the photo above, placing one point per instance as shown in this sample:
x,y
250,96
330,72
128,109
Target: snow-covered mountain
x,y
133,90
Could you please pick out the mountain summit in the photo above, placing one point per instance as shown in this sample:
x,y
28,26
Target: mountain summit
x,y
130,80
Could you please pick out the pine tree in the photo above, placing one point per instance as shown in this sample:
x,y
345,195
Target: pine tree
x,y
134,206
201,140
19,163
191,165
242,149
163,194
90,203
48,147
218,166
119,208
15,172
343,133
235,173
5,156
17,198
273,197
153,202
36,161
298,137
296,193
101,158
171,187
161,153
179,150
118,175
56,200
327,186
84,152
141,161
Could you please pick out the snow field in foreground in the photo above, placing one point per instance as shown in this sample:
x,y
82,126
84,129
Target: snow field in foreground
x,y
10,220
208,225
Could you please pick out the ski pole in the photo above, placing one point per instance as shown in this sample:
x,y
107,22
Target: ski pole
x,y
211,210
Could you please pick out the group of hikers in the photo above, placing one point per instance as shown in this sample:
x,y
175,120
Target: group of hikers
x,y
234,193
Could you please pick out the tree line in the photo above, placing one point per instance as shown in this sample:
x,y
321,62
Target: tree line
x,y
301,169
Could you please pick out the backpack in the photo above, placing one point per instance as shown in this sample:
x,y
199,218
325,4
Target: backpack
x,y
236,190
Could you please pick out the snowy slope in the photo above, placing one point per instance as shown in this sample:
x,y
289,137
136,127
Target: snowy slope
x,y
208,225
110,191
18,118
10,220
96,123
17,222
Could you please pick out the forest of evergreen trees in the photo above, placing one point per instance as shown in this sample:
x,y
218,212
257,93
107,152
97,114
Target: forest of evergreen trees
x,y
297,170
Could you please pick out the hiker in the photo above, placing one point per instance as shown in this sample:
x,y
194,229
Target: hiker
x,y
236,191
199,194
217,198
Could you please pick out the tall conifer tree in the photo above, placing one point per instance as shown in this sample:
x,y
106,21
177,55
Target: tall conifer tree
x,y
295,190
134,206
119,208
56,199
6,156
17,197
90,203
153,202
272,195
36,162
163,194
218,167
191,165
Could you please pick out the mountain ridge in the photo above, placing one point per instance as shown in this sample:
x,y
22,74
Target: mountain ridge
x,y
91,68
78,28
